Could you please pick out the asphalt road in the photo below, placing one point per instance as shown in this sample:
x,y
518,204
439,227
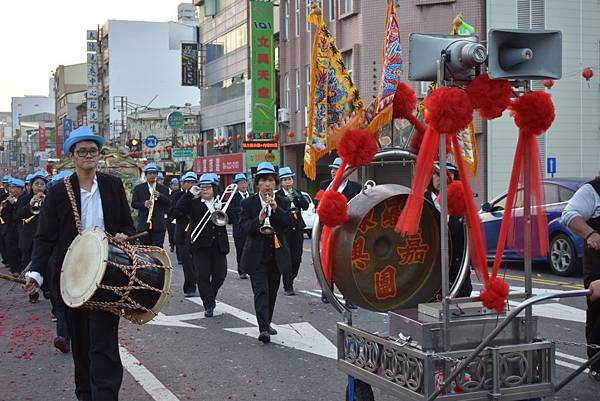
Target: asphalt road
x,y
184,356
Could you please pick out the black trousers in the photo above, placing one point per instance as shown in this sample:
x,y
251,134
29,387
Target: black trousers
x,y
239,242
95,348
295,240
265,284
189,275
13,254
592,321
171,232
156,238
210,266
2,246
59,310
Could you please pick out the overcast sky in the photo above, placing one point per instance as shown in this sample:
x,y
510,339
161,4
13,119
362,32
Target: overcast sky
x,y
36,36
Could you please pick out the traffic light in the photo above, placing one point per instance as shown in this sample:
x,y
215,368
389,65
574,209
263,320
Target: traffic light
x,y
134,144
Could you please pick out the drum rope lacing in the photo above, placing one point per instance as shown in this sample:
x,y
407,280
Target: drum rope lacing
x,y
125,302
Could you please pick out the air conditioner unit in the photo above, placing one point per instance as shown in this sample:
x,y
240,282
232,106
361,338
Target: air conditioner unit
x,y
283,115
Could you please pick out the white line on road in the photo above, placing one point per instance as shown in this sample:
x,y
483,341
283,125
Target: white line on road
x,y
145,378
571,357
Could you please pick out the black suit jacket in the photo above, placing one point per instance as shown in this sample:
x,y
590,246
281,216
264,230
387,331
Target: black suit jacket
x,y
141,193
56,226
28,222
234,213
182,219
211,235
301,203
281,220
352,189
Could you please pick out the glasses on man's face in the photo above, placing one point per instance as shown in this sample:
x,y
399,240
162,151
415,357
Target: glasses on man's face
x,y
84,152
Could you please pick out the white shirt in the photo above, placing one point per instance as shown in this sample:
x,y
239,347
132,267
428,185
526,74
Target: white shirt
x,y
245,194
585,203
92,214
210,204
343,186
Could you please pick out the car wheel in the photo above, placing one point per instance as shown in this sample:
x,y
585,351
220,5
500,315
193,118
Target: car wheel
x,y
562,256
362,391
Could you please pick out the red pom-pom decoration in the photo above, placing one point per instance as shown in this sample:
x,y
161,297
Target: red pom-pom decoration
x,y
332,209
449,110
490,96
533,112
405,101
495,294
456,199
319,194
357,147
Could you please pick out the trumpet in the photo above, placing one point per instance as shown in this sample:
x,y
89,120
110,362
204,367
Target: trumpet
x,y
36,208
219,216
267,228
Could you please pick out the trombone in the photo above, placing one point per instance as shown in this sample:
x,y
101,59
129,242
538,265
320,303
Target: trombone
x,y
219,216
151,208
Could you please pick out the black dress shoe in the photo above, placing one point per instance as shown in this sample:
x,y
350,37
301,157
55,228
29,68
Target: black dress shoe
x,y
62,344
33,298
209,312
350,305
289,293
324,299
272,331
264,337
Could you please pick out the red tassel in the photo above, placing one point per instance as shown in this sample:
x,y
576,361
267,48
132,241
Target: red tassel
x,y
333,209
456,199
326,262
490,96
495,294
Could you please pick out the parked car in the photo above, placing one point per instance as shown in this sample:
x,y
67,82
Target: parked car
x,y
309,215
565,248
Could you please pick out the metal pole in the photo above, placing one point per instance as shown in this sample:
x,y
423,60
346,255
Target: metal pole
x,y
527,239
443,198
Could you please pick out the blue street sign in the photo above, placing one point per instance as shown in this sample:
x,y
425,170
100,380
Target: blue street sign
x,y
151,141
551,165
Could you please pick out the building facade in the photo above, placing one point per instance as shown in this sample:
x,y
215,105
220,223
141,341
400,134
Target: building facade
x,y
140,66
70,91
574,138
28,105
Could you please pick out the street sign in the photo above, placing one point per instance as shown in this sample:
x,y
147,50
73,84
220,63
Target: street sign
x,y
175,119
183,152
151,141
551,165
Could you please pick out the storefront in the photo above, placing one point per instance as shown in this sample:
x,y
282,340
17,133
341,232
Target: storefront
x,y
226,166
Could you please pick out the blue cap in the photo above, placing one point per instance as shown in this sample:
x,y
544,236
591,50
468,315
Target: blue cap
x,y
174,181
28,179
15,182
215,178
83,133
207,178
6,179
160,175
265,168
189,176
449,166
151,168
336,163
239,177
286,172
39,174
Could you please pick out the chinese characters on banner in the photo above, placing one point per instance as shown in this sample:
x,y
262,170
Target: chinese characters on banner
x,y
42,139
189,64
263,68
222,164
92,80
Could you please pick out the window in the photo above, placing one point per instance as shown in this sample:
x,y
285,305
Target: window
x,y
347,59
308,84
347,6
297,89
564,194
307,14
286,88
297,18
550,193
286,19
331,10
227,43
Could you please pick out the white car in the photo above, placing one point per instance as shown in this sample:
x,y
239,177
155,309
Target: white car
x,y
309,215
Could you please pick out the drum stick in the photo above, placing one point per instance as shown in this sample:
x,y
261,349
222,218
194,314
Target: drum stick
x,y
136,236
8,277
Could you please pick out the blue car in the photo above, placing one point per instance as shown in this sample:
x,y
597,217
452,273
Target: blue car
x,y
565,250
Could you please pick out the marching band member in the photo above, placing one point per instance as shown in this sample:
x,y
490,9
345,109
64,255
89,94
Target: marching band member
x,y
210,249
265,218
151,195
173,189
234,212
349,189
182,244
28,209
11,225
28,183
3,195
102,203
295,233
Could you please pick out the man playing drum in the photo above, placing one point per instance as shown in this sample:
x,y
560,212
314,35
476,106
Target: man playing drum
x,y
102,203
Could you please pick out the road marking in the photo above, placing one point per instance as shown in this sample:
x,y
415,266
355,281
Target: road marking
x,y
542,281
145,378
571,357
177,320
569,365
301,336
317,293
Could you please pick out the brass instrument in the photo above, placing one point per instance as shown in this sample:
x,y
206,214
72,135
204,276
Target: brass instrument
x,y
153,197
36,208
219,216
266,228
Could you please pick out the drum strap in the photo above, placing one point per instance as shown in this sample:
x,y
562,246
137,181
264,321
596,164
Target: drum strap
x,y
73,203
